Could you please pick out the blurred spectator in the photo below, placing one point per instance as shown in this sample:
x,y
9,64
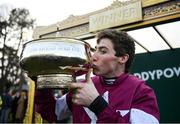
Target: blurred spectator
x,y
6,106
21,107
15,98
0,105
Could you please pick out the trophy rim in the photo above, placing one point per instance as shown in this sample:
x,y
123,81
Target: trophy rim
x,y
68,39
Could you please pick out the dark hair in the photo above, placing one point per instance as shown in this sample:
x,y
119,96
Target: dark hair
x,y
122,43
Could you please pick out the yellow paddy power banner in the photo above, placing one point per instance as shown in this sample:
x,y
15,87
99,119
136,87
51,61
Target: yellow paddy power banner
x,y
161,70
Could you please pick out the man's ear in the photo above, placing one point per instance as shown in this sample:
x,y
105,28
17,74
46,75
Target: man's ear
x,y
123,59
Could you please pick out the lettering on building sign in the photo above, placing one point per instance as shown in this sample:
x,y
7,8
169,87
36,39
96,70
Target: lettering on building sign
x,y
116,17
159,73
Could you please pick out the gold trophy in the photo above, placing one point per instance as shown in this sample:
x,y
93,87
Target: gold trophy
x,y
55,62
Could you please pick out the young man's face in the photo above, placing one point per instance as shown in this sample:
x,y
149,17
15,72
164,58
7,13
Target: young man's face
x,y
104,61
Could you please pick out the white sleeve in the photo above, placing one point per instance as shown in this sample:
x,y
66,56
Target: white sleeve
x,y
61,109
138,116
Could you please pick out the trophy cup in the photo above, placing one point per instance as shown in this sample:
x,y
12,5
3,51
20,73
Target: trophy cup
x,y
56,61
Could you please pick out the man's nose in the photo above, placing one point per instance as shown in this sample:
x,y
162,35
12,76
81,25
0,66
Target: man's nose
x,y
94,57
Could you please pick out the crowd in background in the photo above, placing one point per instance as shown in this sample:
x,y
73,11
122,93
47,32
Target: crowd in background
x,y
13,106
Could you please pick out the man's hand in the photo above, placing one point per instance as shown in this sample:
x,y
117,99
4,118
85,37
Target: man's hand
x,y
84,93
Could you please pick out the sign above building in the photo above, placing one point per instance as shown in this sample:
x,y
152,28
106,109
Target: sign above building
x,y
124,14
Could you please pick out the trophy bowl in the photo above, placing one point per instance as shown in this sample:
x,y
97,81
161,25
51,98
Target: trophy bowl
x,y
55,62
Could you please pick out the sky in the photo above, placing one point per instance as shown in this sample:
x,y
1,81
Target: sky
x,y
47,12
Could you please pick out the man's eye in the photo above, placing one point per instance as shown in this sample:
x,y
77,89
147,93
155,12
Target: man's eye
x,y
103,51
